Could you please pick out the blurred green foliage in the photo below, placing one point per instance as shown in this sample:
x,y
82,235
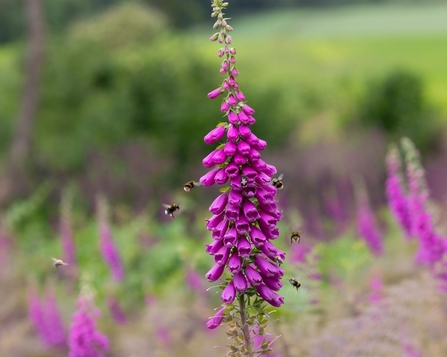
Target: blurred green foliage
x,y
397,104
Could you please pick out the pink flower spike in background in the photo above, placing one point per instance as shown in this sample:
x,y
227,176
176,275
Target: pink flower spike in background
x,y
84,338
108,248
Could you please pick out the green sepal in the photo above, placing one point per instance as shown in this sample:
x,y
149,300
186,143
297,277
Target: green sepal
x,y
224,189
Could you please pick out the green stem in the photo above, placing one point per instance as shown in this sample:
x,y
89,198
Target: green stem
x,y
245,329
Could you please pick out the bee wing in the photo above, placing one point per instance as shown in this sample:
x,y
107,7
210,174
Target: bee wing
x,y
280,177
54,259
165,205
197,183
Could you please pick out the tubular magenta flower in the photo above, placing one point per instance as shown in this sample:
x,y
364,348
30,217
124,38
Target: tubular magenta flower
x,y
216,320
248,203
108,249
367,226
243,250
397,200
84,340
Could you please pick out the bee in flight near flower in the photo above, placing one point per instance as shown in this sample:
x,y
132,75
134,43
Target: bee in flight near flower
x,y
190,185
295,283
295,237
279,260
276,181
58,262
170,209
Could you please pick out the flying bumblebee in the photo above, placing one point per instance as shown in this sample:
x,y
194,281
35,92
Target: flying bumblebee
x,y
295,237
279,260
170,209
58,262
244,181
190,185
276,181
295,283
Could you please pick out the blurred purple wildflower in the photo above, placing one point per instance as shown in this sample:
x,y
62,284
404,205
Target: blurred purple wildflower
x,y
107,246
366,224
376,286
46,318
432,246
84,339
116,310
397,200
36,315
53,320
163,335
300,252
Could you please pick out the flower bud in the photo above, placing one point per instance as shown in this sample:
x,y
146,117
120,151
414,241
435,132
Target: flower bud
x,y
229,293
248,110
232,133
228,40
219,157
232,60
243,118
240,283
215,272
208,178
273,283
214,36
233,118
216,320
232,50
215,93
220,53
221,177
239,159
214,135
243,147
240,96
230,148
234,72
224,107
219,204
232,100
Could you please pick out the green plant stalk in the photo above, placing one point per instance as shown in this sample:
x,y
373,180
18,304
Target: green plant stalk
x,y
245,329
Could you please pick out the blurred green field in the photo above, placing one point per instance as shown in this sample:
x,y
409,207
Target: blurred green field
x,y
335,50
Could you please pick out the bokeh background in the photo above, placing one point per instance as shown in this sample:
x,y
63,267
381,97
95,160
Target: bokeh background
x,y
108,98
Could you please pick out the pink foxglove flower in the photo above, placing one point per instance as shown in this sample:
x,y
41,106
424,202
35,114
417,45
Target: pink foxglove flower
x,y
366,224
245,215
116,310
109,250
395,192
432,246
84,339
53,320
36,314
46,318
